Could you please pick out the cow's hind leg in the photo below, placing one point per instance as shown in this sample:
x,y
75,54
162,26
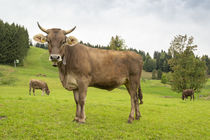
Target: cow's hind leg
x,y
132,89
137,110
78,108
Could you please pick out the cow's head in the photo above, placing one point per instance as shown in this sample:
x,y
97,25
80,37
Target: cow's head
x,y
48,92
56,39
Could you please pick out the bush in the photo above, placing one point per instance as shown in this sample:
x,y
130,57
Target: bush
x,y
154,74
164,79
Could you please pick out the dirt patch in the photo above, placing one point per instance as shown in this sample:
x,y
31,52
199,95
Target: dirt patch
x,y
3,117
41,75
207,98
167,97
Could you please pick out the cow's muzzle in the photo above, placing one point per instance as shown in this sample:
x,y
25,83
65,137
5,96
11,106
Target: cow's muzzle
x,y
55,58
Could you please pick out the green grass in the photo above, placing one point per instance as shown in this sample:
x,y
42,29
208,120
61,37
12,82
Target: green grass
x,y
164,114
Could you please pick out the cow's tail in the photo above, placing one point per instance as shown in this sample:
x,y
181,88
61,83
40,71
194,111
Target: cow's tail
x,y
140,95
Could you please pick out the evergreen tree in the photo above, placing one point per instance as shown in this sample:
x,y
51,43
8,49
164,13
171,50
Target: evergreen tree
x,y
14,43
159,74
149,64
207,61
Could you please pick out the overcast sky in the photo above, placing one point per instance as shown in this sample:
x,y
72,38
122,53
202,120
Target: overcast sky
x,y
148,25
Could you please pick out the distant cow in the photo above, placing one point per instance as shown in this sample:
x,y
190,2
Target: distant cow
x,y
37,84
188,92
81,67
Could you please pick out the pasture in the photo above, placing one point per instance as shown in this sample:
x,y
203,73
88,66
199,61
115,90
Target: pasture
x,y
164,114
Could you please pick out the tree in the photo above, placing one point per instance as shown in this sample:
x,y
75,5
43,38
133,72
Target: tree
x,y
30,43
159,74
149,64
117,43
188,71
207,61
14,43
162,60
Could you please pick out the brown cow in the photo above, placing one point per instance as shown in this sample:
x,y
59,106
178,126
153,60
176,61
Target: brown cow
x,y
186,93
37,84
81,67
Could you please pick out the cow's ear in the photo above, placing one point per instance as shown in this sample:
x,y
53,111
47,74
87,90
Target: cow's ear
x,y
71,40
40,38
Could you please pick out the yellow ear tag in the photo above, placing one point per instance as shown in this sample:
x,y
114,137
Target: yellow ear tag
x,y
43,40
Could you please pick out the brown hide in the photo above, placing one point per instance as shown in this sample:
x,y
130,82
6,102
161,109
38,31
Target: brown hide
x,y
105,69
37,84
188,92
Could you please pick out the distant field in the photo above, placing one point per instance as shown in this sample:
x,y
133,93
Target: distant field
x,y
164,114
146,75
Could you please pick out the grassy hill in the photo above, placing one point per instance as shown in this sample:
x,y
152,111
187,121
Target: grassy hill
x,y
164,114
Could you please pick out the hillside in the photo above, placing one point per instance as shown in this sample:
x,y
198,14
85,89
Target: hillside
x,y
164,114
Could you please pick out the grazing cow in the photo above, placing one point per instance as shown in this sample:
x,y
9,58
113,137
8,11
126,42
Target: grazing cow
x,y
81,67
37,84
186,93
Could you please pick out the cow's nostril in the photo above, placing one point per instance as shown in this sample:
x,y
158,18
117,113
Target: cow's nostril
x,y
51,57
58,57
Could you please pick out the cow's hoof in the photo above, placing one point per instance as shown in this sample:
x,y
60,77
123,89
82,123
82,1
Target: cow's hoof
x,y
138,118
76,119
81,121
130,120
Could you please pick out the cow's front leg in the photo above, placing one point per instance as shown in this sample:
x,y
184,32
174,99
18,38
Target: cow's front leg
x,y
43,92
34,91
30,90
82,97
78,108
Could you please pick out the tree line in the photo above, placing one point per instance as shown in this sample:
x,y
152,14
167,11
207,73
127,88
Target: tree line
x,y
14,42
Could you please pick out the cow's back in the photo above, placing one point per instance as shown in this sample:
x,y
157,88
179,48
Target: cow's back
x,y
107,69
188,92
37,84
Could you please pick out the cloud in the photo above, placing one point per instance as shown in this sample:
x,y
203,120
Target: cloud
x,y
147,25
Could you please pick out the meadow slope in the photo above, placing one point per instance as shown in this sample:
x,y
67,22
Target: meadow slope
x,y
164,114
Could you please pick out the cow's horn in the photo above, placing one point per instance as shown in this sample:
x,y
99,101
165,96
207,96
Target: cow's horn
x,y
69,31
40,27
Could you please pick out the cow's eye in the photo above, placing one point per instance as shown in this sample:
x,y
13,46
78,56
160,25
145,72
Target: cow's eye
x,y
64,42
